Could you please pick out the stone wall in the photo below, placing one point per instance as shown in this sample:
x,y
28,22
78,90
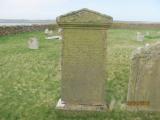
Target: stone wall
x,y
8,30
128,25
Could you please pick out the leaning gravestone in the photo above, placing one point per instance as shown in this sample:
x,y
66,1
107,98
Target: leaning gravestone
x,y
144,84
83,60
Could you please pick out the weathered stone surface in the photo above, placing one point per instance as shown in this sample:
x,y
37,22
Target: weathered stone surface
x,y
33,43
83,59
144,84
48,32
140,36
85,18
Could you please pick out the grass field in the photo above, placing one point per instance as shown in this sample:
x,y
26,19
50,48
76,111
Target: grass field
x,y
30,79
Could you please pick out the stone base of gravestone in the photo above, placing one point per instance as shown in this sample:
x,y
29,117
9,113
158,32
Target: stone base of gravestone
x,y
65,113
61,105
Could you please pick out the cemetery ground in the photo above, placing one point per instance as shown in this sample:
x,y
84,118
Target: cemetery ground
x,y
30,79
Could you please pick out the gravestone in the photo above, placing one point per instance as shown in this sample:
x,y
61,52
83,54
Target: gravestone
x,y
50,35
33,43
83,60
144,83
48,32
140,36
147,33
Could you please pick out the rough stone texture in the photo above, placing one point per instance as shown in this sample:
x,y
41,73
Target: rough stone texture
x,y
135,25
33,43
83,59
8,30
140,37
144,84
85,18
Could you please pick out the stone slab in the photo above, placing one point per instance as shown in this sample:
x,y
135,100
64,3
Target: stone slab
x,y
83,60
64,106
144,83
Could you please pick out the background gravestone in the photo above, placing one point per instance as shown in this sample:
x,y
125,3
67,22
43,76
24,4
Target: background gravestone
x,y
140,36
83,60
33,43
144,84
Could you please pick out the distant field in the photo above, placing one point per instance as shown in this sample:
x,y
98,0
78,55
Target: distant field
x,y
30,79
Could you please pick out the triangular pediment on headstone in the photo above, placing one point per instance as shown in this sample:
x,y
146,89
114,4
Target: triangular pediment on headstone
x,y
84,16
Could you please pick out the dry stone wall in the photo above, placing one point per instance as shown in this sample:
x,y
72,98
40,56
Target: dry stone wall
x,y
127,25
8,30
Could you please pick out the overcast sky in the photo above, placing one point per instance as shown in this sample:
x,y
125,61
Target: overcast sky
x,y
129,10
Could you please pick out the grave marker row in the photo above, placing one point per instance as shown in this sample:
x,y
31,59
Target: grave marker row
x,y
84,66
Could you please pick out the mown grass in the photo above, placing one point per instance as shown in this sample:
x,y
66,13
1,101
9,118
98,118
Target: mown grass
x,y
30,79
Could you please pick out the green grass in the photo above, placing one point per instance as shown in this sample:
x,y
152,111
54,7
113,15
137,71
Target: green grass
x,y
30,79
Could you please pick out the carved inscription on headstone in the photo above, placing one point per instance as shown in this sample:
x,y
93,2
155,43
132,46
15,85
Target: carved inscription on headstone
x,y
83,71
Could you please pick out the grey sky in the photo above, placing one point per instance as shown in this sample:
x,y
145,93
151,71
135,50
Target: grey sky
x,y
135,10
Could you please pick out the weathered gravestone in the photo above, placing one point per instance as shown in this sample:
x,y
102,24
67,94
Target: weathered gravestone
x,y
147,33
140,36
144,84
33,43
83,60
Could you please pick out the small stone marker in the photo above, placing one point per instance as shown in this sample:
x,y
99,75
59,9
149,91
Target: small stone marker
x,y
83,60
33,43
48,32
147,33
158,32
140,37
50,36
144,84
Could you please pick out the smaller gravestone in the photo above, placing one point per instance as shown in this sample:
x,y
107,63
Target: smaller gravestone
x,y
147,33
33,43
48,32
140,37
158,32
144,83
50,35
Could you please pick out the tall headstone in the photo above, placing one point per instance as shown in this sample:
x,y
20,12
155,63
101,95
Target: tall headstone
x,y
83,60
144,84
